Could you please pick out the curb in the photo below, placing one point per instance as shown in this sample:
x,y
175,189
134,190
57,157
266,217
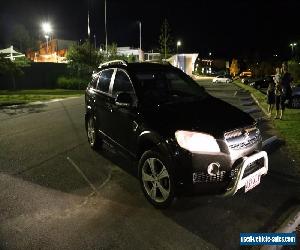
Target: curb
x,y
259,105
289,225
269,141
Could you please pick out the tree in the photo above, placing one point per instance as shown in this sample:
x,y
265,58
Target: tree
x,y
234,67
20,38
83,59
166,41
294,69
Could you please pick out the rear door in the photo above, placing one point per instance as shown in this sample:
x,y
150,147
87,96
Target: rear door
x,y
103,101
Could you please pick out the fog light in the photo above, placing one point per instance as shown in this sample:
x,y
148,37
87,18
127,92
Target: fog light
x,y
213,168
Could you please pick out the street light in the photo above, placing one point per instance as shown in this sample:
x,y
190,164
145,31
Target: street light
x,y
293,45
177,45
47,29
140,52
47,37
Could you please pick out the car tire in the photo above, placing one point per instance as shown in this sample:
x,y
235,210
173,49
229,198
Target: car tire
x,y
156,179
258,87
92,135
295,102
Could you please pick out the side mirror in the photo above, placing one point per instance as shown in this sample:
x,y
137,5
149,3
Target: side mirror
x,y
124,99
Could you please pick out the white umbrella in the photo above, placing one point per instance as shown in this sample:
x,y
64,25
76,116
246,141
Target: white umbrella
x,y
11,53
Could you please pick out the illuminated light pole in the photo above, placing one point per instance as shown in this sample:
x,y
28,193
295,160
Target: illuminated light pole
x,y
47,37
177,45
293,45
105,27
47,29
140,50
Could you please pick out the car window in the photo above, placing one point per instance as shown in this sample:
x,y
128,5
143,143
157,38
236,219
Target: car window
x,y
165,85
122,83
104,80
93,83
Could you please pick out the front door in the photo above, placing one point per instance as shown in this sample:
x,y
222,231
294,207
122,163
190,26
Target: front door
x,y
124,124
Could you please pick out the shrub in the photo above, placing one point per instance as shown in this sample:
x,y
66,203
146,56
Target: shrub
x,y
71,83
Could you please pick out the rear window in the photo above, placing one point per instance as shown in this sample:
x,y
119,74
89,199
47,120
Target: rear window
x,y
122,83
104,80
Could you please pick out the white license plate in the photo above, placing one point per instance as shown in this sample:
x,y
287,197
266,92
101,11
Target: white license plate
x,y
252,182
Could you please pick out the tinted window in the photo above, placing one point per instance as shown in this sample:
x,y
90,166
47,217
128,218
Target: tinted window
x,y
104,80
122,83
93,83
167,84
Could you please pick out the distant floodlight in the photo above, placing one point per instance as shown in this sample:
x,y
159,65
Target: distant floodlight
x,y
46,28
178,43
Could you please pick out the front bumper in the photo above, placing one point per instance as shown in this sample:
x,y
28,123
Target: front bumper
x,y
241,179
191,175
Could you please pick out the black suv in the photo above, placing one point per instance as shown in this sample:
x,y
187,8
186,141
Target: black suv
x,y
184,139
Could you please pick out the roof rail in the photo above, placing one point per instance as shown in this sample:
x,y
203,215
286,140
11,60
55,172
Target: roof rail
x,y
116,62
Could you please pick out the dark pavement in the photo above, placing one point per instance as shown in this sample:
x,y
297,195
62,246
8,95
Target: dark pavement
x,y
45,202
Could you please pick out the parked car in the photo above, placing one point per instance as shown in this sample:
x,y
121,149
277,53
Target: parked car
x,y
224,79
295,101
247,80
245,74
262,82
160,117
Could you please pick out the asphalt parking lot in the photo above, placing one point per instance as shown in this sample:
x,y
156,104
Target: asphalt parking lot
x,y
56,193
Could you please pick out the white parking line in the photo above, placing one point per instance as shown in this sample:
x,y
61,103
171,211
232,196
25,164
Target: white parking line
x,y
82,174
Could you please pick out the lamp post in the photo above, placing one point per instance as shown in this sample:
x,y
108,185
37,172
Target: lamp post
x,y
140,26
293,45
47,37
47,29
177,45
105,23
140,49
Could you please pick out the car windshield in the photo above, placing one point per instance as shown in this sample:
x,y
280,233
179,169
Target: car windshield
x,y
168,85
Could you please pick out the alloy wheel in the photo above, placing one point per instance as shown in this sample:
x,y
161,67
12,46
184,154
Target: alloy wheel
x,y
156,180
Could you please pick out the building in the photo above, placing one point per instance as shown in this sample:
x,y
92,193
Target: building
x,y
138,54
53,51
209,66
185,62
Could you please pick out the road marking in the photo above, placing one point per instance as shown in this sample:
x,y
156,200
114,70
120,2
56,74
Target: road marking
x,y
269,141
82,174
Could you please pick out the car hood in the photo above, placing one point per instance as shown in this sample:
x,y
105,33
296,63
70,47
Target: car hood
x,y
209,115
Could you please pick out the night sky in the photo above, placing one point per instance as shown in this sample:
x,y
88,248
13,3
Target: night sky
x,y
226,28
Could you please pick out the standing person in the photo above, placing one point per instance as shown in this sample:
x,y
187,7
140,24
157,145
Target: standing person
x,y
278,92
271,97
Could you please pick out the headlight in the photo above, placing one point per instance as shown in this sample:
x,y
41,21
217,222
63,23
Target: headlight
x,y
196,142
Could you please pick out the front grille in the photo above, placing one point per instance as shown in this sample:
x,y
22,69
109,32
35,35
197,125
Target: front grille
x,y
242,138
203,177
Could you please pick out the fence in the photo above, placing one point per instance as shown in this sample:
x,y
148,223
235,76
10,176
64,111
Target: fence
x,y
37,76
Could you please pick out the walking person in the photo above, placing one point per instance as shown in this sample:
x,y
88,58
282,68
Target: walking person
x,y
278,92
